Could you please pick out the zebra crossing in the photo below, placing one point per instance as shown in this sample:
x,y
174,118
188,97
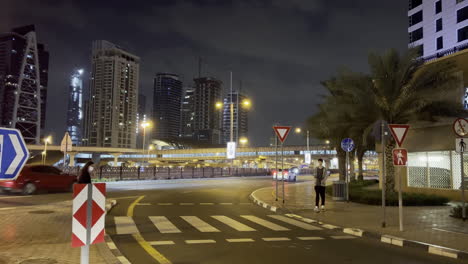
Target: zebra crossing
x,y
125,225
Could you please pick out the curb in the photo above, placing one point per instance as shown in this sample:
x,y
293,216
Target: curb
x,y
118,257
388,239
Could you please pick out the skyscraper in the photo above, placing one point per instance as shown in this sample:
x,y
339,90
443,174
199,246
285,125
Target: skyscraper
x,y
75,108
207,125
240,117
113,99
24,65
438,27
187,114
166,106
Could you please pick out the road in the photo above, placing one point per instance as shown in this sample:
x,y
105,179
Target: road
x,y
213,221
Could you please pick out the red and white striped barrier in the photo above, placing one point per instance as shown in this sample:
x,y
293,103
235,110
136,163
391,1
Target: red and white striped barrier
x,y
89,213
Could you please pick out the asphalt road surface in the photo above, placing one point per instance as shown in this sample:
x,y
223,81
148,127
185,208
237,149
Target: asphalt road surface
x,y
213,221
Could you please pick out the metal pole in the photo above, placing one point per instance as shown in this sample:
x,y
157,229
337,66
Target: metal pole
x,y
400,200
347,176
276,164
308,148
85,249
144,137
282,166
382,127
65,152
462,165
232,114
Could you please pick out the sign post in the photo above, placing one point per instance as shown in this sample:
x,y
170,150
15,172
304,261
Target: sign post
x,y
400,158
13,153
66,146
231,150
347,145
282,133
89,212
460,127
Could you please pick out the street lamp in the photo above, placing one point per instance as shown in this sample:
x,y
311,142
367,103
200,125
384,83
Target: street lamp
x,y
47,140
243,141
145,125
219,105
327,141
246,103
298,130
150,148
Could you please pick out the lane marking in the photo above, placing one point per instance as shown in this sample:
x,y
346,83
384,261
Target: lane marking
x,y
143,204
272,239
199,224
265,223
111,245
161,243
202,241
14,197
150,250
295,222
449,231
225,203
233,223
164,203
327,226
206,203
343,237
164,225
8,208
239,240
187,204
142,242
131,208
310,238
125,225
123,260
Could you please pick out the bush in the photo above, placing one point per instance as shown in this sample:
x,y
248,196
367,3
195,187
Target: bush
x,y
457,211
359,194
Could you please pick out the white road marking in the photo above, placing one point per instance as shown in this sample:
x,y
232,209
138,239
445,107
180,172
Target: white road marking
x,y
123,260
272,239
206,203
161,243
164,203
327,226
233,223
310,238
8,208
225,203
125,225
164,225
111,245
186,203
343,237
143,204
295,222
199,224
265,223
13,197
239,240
202,241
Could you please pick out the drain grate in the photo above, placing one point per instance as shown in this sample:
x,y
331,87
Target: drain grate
x,y
41,212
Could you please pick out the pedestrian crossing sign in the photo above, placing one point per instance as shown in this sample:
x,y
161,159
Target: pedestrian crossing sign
x,y
400,157
460,145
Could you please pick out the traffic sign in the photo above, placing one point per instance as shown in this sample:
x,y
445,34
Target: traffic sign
x,y
460,145
400,157
460,127
307,158
282,132
13,153
231,150
88,228
66,145
347,144
399,132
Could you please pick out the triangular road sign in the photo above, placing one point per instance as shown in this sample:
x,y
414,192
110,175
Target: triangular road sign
x,y
282,132
399,132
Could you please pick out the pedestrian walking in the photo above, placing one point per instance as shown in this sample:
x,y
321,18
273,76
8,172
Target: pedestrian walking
x,y
86,172
321,175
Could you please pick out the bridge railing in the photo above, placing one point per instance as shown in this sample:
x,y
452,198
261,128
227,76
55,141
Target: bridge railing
x,y
159,173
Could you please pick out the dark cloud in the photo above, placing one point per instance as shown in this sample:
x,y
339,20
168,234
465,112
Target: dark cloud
x,y
280,49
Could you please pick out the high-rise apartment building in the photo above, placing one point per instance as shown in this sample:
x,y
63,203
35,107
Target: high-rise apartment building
x,y
187,114
75,113
166,106
113,102
207,121
240,114
24,65
438,27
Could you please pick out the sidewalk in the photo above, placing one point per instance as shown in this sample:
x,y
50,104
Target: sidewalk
x,y
42,234
430,224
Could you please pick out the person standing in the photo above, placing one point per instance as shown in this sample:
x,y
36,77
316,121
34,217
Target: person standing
x,y
321,175
85,173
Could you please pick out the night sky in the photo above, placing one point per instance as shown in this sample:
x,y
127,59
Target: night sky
x,y
280,49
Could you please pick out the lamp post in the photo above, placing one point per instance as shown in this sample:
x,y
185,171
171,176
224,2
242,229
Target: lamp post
x,y
145,125
243,141
47,140
150,148
298,130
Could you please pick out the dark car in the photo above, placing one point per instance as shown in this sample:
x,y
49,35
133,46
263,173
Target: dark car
x,y
39,177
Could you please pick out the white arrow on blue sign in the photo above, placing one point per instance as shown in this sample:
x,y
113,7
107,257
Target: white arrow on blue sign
x,y
13,153
347,144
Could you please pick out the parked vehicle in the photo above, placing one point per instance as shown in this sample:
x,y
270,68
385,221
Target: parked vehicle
x,y
285,174
39,177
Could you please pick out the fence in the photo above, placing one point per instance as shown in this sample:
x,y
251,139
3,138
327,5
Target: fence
x,y
158,173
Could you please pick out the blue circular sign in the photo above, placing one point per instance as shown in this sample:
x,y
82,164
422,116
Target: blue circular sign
x,y
347,144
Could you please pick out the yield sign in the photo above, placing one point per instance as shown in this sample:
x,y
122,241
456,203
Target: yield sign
x,y
399,132
13,153
282,132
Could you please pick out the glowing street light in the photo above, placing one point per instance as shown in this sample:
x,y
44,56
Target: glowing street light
x,y
47,140
219,105
145,125
327,141
243,141
246,103
298,130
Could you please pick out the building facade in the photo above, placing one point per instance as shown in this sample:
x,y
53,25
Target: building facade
x,y
24,65
438,27
240,121
113,102
141,118
75,112
166,106
187,114
207,121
